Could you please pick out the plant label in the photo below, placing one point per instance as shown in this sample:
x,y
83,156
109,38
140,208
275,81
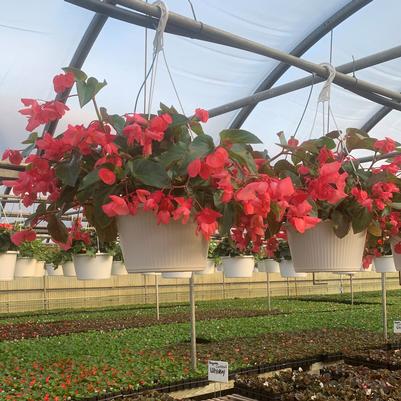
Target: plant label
x,y
217,371
397,326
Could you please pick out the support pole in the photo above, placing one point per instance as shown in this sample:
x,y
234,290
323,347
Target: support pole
x,y
269,306
157,297
193,324
384,306
351,287
45,300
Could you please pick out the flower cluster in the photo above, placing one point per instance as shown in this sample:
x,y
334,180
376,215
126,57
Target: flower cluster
x,y
165,164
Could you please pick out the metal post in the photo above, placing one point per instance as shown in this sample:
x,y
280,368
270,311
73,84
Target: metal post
x,y
157,297
145,289
384,306
224,286
193,324
351,289
269,306
45,301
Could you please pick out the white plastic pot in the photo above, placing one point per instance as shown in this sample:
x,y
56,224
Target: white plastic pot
x,y
268,266
25,267
177,275
320,250
149,247
287,269
51,271
385,264
96,267
238,266
69,269
210,269
39,268
118,268
7,265
396,256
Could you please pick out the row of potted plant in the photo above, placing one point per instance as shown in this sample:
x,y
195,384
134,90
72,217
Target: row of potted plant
x,y
22,256
162,185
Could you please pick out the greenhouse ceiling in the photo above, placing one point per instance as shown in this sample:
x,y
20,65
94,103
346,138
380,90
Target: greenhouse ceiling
x,y
40,37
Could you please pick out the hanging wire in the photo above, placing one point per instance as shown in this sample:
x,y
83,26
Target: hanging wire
x,y
331,62
145,66
306,105
193,10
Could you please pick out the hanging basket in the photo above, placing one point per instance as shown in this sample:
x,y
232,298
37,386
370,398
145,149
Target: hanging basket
x,y
118,268
69,269
210,269
96,267
149,247
320,250
25,267
7,265
268,266
385,264
287,270
39,269
238,266
51,271
177,275
396,256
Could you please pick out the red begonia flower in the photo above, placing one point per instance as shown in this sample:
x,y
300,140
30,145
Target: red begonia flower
x,y
23,236
117,207
202,115
194,168
385,145
62,82
107,176
14,156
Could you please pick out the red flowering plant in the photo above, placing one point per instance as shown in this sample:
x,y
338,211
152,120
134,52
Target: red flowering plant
x,y
331,184
6,232
82,241
164,164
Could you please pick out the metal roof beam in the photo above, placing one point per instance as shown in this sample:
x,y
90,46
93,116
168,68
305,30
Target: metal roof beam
x,y
356,65
318,33
376,118
215,35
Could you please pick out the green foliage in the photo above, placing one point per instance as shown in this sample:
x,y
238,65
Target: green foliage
x,y
34,249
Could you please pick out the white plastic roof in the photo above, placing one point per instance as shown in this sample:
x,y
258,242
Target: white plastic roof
x,y
39,37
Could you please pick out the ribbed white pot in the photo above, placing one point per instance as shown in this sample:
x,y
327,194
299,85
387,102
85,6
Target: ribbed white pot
x,y
96,267
39,268
177,274
7,265
385,264
25,267
118,268
51,271
149,247
268,266
210,269
69,269
238,266
320,250
396,256
287,269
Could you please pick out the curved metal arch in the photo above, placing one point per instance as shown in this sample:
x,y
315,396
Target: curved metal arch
x,y
376,118
80,55
334,20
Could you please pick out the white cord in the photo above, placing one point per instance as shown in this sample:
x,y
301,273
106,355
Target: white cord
x,y
158,43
